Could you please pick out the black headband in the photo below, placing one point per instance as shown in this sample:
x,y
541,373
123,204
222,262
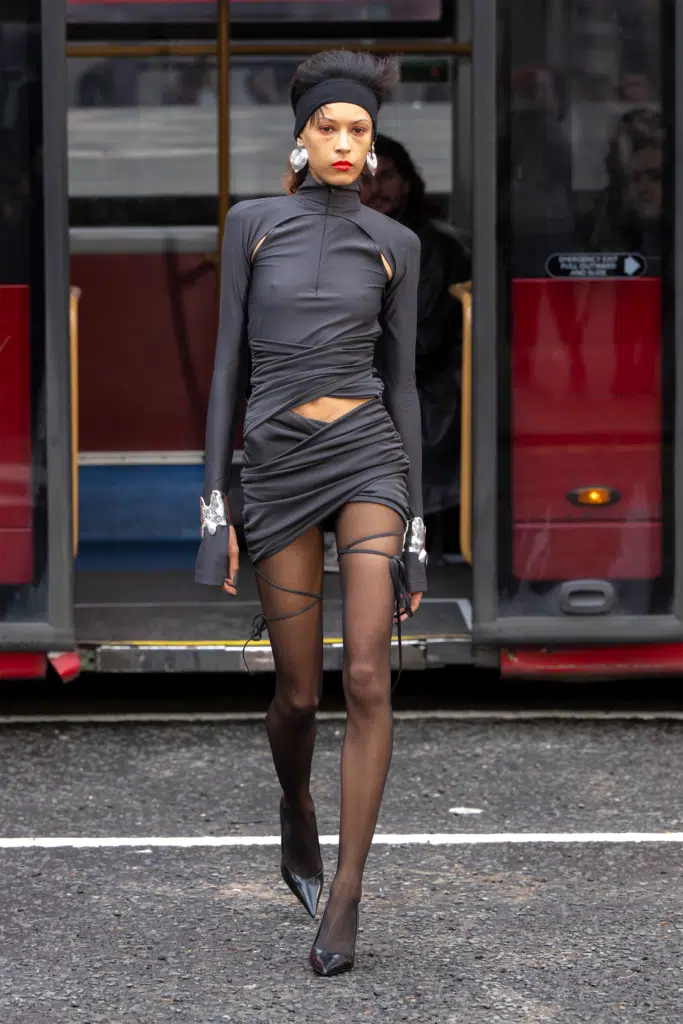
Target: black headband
x,y
335,90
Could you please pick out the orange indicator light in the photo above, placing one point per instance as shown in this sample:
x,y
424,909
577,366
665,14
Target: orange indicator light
x,y
594,496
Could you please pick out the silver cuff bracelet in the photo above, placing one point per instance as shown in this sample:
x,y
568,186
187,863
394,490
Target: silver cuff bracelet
x,y
213,515
416,536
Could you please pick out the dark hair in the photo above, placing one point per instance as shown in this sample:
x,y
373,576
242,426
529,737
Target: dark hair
x,y
639,128
416,204
379,74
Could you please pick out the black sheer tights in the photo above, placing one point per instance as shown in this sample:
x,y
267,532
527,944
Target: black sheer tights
x,y
290,588
369,539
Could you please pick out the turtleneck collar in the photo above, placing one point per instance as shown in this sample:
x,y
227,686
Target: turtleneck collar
x,y
333,197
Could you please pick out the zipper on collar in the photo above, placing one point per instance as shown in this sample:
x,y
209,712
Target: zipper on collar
x,y
322,237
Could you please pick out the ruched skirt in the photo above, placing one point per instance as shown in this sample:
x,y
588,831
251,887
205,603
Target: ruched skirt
x,y
298,471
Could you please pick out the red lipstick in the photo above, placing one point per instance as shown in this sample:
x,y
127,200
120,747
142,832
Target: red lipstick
x,y
343,165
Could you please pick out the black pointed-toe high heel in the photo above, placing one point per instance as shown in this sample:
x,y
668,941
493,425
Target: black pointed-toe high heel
x,y
327,963
306,890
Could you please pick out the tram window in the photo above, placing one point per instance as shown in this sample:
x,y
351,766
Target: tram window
x,y
583,137
142,141
23,445
585,231
256,11
336,10
143,134
121,11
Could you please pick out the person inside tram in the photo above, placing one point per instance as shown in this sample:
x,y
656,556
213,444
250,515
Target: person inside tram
x,y
192,86
636,86
627,214
536,215
535,169
269,83
398,191
627,218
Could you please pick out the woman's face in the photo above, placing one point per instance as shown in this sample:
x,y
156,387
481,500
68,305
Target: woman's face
x,y
338,138
644,183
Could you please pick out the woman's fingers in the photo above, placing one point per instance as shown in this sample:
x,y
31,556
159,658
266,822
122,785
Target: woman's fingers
x,y
414,605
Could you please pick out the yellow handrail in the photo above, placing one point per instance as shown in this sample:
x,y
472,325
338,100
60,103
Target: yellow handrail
x,y
418,47
74,297
463,293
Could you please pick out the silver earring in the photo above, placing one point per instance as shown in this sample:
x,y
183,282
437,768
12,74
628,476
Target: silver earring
x,y
298,158
371,160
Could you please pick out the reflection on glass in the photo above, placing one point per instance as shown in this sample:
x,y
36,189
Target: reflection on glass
x,y
151,11
336,10
160,11
140,129
585,217
23,456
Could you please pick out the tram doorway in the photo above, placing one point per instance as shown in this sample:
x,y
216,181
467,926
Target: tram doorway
x,y
163,139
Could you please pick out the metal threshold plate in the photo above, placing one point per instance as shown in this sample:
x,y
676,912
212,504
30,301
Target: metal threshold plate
x,y
162,622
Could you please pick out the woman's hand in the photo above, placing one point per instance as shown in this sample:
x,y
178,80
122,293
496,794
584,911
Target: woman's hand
x,y
230,582
415,600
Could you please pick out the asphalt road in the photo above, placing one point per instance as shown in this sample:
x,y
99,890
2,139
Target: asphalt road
x,y
493,931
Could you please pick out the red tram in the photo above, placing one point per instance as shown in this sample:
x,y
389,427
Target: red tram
x,y
548,134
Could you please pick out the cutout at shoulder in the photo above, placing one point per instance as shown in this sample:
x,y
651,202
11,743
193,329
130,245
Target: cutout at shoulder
x,y
386,264
258,246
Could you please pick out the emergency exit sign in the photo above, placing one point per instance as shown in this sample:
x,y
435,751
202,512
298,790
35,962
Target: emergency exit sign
x,y
596,265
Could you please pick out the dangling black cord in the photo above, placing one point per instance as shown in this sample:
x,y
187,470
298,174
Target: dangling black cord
x,y
260,623
399,580
397,572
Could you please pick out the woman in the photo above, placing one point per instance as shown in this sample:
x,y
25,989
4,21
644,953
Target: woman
x,y
314,286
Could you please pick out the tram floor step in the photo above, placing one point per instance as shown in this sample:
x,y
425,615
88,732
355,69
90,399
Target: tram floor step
x,y
167,606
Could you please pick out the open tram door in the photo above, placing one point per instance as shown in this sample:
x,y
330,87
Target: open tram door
x,y
145,204
577,335
36,554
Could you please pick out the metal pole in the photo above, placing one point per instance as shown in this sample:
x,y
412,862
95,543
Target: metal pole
x,y
223,57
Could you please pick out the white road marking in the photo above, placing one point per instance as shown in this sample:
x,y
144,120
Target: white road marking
x,y
449,715
388,839
465,607
464,810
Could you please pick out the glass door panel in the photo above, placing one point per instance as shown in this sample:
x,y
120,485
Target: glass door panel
x,y
35,497
584,230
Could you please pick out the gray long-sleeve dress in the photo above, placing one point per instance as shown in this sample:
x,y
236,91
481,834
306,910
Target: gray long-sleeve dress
x,y
314,306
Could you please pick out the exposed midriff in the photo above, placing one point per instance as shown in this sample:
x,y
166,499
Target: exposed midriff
x,y
328,408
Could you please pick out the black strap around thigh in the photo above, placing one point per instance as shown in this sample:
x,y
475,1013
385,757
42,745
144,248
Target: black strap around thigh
x,y
260,623
399,580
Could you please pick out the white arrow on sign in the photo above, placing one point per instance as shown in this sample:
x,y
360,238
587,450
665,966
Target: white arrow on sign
x,y
631,265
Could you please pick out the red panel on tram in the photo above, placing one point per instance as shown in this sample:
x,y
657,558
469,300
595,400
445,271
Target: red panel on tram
x,y
16,504
586,386
137,313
